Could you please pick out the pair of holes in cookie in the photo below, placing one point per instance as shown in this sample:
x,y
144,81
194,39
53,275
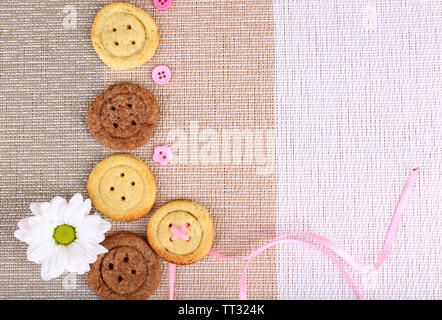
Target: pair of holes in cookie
x,y
129,105
133,42
129,27
134,123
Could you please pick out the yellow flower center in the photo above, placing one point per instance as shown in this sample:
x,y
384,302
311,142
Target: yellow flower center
x,y
64,234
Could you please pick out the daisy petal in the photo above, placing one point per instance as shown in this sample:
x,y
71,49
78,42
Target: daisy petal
x,y
70,214
92,219
35,208
23,224
78,215
104,226
85,207
100,249
77,258
57,204
56,263
44,207
92,250
38,252
76,201
23,235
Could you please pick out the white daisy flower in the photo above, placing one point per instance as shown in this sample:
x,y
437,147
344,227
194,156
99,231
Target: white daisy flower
x,y
63,236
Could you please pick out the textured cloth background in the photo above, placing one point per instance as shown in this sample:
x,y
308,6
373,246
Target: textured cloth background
x,y
358,106
350,91
221,56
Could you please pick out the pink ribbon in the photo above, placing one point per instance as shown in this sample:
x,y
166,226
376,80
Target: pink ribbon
x,y
343,254
172,272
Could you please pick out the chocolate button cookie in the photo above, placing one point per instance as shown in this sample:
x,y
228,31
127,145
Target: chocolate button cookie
x,y
128,271
181,232
123,117
122,187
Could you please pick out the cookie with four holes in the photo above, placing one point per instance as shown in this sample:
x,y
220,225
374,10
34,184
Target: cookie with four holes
x,y
122,187
128,271
123,117
181,232
124,36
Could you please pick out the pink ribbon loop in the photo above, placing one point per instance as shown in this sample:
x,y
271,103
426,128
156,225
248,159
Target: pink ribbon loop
x,y
172,272
330,245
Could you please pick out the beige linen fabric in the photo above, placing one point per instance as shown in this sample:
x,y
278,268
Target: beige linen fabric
x,y
221,56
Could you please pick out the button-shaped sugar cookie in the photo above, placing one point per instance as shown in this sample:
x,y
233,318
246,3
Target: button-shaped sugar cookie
x,y
181,232
124,36
122,187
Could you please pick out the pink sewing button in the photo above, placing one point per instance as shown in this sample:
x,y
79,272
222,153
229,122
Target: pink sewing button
x,y
163,4
162,155
161,75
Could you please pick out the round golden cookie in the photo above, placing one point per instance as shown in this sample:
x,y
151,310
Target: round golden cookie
x,y
129,270
122,187
124,36
181,232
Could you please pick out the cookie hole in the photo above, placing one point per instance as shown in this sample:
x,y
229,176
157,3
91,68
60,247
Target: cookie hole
x,y
134,271
113,108
187,225
164,157
126,259
170,225
112,188
111,266
114,29
129,27
133,183
123,198
134,123
129,105
116,43
122,175
120,278
133,43
115,125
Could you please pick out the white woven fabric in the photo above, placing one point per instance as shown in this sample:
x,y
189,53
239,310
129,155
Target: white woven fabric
x,y
358,106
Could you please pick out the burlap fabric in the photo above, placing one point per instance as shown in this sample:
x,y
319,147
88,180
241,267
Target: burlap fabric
x,y
221,56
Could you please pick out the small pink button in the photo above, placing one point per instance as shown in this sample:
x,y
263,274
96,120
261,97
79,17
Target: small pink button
x,y
163,4
161,75
162,154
